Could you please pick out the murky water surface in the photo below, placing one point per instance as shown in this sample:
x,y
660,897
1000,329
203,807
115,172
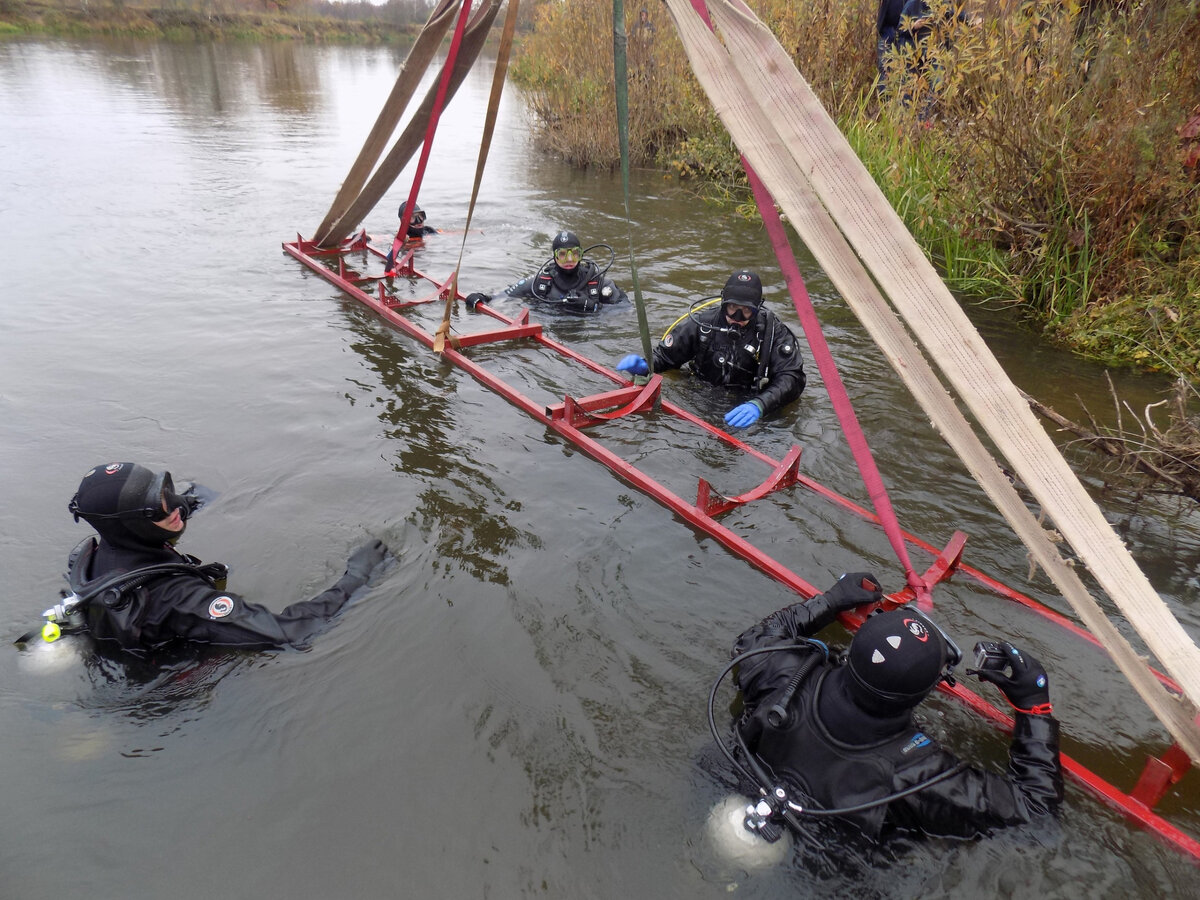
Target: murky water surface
x,y
517,708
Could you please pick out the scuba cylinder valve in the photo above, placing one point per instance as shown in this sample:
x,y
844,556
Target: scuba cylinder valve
x,y
69,612
65,616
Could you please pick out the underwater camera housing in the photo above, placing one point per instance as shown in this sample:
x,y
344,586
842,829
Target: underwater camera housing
x,y
990,655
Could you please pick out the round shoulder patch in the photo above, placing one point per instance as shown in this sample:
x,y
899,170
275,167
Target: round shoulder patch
x,y
668,340
787,349
220,607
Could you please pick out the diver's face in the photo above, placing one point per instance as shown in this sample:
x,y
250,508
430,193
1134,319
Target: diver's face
x,y
567,257
174,520
737,315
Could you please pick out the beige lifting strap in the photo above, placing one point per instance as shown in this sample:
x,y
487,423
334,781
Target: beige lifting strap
x,y
414,67
442,335
474,37
836,207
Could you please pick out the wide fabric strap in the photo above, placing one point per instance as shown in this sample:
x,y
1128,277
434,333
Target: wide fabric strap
x,y
415,64
473,40
836,207
485,145
439,103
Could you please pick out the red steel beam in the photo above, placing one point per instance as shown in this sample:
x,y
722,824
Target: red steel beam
x,y
569,417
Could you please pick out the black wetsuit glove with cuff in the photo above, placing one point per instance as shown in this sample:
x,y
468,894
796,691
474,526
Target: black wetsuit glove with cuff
x,y
1023,681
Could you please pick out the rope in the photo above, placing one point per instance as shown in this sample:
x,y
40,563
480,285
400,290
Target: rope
x,y
803,159
489,125
621,77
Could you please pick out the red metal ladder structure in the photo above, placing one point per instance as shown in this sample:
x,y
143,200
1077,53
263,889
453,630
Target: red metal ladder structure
x,y
574,415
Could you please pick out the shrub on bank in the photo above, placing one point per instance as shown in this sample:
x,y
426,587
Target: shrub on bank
x,y
1043,155
565,69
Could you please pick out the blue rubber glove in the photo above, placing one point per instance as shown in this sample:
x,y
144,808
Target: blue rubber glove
x,y
633,363
746,414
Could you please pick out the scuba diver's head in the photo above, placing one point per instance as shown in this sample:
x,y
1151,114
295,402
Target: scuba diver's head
x,y
130,506
567,250
741,298
895,659
418,216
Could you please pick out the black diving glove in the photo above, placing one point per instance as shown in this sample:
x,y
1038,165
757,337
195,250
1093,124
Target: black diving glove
x,y
853,589
1026,687
474,299
363,561
196,497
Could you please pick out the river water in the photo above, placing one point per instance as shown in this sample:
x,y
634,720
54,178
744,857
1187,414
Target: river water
x,y
517,706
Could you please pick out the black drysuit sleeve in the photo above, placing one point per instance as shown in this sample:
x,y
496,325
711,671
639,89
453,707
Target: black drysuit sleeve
x,y
973,801
760,675
189,608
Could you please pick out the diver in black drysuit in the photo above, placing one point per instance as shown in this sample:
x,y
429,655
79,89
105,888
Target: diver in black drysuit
x,y
414,234
569,282
417,229
847,736
738,344
158,595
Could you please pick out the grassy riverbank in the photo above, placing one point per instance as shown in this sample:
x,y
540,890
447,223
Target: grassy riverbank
x,y
1049,161
206,21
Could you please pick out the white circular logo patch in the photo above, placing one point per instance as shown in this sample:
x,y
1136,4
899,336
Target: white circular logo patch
x,y
917,630
220,608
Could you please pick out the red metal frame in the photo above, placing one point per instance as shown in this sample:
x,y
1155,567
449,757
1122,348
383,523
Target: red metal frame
x,y
570,417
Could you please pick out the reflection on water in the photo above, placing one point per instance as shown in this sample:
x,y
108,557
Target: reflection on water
x,y
518,707
416,406
205,80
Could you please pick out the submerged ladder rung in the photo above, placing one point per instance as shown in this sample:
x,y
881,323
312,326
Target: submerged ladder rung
x,y
311,248
605,407
348,275
444,287
391,301
1160,774
784,475
521,328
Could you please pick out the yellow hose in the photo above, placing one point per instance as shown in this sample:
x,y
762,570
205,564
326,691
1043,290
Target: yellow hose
x,y
704,305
